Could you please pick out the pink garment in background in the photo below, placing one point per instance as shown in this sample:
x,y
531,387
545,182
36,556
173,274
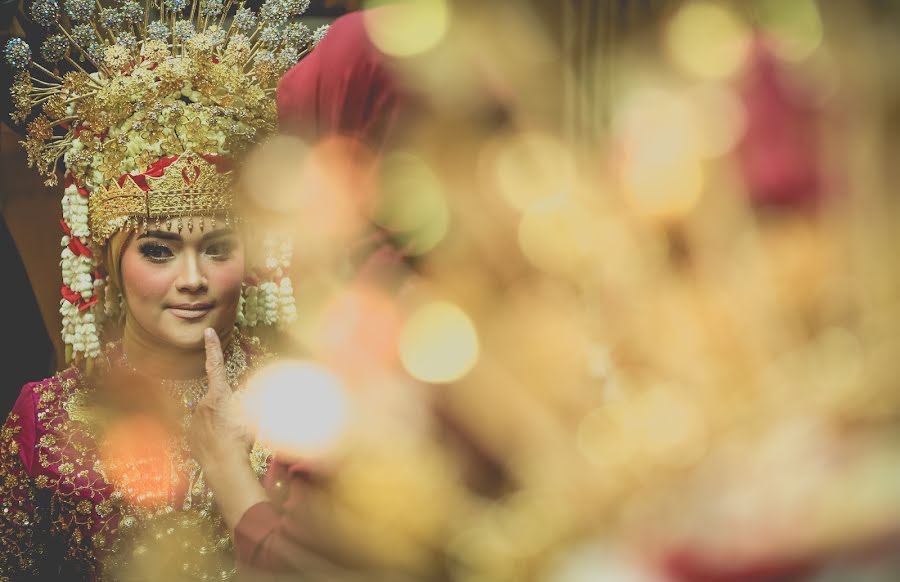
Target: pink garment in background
x,y
780,155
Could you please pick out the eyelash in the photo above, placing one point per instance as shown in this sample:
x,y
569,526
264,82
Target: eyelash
x,y
150,250
224,254
159,253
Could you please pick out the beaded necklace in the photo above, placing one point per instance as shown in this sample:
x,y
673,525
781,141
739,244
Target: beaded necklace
x,y
189,392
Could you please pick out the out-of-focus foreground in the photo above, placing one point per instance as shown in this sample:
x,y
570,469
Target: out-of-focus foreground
x,y
641,321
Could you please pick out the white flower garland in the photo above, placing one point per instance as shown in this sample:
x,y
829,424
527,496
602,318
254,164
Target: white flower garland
x,y
251,306
272,300
79,327
241,320
268,301
285,251
287,308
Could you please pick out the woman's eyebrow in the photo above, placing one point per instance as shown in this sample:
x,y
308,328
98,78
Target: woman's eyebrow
x,y
164,234
217,233
168,235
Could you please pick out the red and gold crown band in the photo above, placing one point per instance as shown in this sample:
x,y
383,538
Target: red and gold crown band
x,y
181,187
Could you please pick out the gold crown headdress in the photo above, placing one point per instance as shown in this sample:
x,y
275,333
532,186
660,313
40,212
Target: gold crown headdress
x,y
145,103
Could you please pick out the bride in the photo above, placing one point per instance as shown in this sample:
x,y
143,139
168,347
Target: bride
x,y
97,478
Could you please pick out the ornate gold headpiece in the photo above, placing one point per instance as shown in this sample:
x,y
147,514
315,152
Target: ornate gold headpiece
x,y
190,187
140,101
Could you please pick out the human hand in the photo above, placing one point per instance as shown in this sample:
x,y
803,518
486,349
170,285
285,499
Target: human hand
x,y
215,435
219,443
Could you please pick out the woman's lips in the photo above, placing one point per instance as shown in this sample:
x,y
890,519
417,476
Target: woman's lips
x,y
191,312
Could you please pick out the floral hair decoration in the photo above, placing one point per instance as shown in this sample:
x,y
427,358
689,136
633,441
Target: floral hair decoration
x,y
146,104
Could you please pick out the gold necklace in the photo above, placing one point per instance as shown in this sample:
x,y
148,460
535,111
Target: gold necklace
x,y
189,392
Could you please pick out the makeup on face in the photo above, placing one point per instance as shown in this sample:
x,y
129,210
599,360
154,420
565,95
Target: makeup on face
x,y
177,284
191,311
157,245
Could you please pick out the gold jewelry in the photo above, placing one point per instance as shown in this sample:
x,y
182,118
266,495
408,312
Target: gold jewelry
x,y
191,186
189,392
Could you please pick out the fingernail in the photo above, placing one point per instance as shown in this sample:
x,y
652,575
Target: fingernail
x,y
209,333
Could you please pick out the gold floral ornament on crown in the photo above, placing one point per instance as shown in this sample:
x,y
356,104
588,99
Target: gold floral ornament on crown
x,y
142,102
190,187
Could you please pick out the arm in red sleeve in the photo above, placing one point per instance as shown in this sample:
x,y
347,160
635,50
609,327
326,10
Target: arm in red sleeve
x,y
252,533
21,551
271,536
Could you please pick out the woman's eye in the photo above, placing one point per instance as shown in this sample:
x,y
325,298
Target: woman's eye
x,y
219,250
156,252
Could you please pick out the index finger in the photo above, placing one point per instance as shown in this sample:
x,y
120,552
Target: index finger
x,y
215,365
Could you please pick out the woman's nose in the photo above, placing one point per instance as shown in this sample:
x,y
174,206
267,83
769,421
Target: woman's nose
x,y
191,279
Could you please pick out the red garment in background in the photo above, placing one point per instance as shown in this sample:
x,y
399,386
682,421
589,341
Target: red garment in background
x,y
780,154
344,86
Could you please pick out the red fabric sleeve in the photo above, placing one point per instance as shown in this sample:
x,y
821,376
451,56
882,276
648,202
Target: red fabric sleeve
x,y
270,537
25,409
344,86
20,550
256,525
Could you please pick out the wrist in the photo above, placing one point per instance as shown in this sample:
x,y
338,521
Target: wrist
x,y
221,452
236,489
224,466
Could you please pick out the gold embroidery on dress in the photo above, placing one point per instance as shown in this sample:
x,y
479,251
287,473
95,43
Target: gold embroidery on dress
x,y
95,511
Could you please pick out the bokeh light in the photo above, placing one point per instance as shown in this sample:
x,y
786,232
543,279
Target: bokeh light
x,y
323,192
438,343
358,331
405,29
720,118
271,175
707,39
660,148
530,167
557,235
671,426
603,438
412,203
136,457
598,562
297,408
794,28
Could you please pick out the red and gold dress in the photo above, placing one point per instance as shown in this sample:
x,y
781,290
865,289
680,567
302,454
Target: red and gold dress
x,y
95,495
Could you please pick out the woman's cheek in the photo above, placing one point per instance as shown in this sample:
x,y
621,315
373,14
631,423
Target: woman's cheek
x,y
145,281
226,278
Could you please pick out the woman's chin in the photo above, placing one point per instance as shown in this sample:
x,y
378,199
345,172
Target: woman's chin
x,y
187,339
191,337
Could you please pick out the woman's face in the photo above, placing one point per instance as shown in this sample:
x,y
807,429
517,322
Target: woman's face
x,y
178,284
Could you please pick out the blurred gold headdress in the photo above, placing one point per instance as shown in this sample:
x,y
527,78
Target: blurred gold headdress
x,y
146,103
